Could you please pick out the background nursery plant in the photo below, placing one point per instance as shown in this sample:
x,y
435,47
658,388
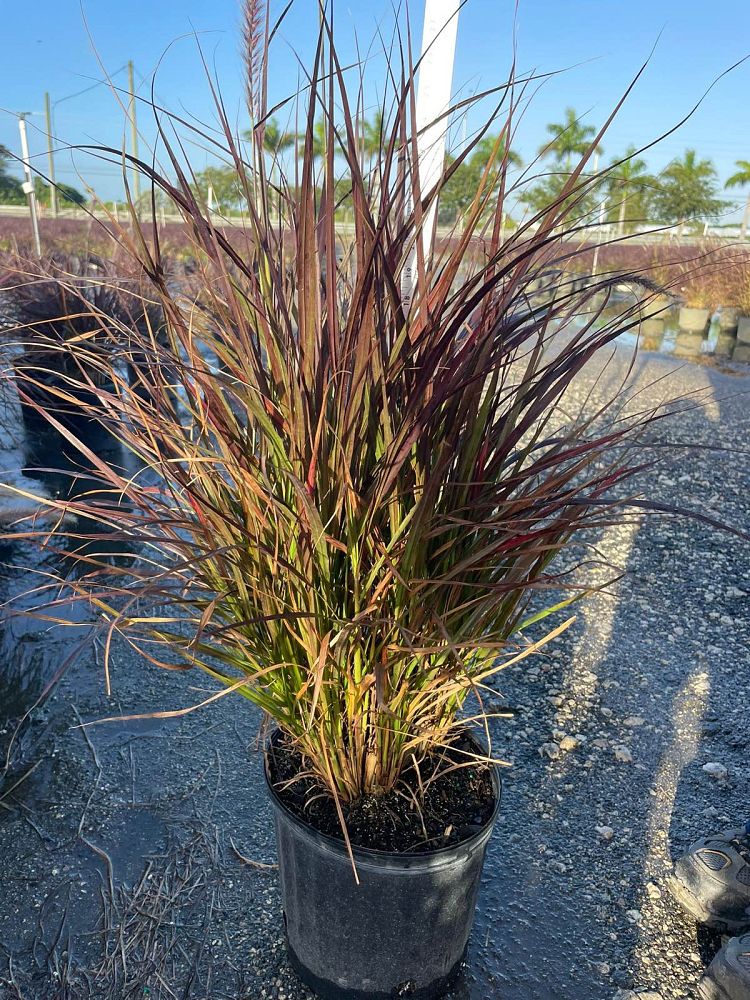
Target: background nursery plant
x,y
350,488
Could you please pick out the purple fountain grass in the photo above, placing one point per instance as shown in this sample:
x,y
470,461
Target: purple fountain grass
x,y
348,495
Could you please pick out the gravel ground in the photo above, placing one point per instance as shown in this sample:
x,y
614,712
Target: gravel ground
x,y
136,853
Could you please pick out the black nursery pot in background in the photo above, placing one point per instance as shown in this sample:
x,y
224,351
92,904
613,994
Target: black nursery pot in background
x,y
402,931
73,414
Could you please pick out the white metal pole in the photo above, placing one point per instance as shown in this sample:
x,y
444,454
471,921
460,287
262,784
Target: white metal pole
x,y
50,157
28,184
134,136
433,101
600,219
599,233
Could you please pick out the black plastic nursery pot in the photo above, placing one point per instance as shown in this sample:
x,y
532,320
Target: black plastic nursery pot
x,y
73,415
402,932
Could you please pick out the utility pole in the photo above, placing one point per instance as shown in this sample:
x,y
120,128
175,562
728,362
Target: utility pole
x,y
51,157
134,133
28,184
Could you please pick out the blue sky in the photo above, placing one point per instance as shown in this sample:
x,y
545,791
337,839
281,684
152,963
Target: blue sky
x,y
600,44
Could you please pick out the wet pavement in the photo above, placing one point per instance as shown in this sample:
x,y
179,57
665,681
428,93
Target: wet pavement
x,y
136,853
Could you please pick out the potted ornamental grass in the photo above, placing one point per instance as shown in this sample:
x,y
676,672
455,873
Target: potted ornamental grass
x,y
741,350
355,465
699,278
54,300
69,299
734,318
695,314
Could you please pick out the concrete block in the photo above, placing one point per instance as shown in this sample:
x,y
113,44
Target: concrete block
x,y
725,344
651,333
743,330
728,319
694,320
688,345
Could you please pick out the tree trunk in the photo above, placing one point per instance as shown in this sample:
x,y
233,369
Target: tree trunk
x,y
621,223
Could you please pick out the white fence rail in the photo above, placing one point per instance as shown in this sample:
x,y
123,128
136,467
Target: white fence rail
x,y
596,233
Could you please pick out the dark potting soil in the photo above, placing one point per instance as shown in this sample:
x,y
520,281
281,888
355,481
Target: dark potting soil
x,y
453,807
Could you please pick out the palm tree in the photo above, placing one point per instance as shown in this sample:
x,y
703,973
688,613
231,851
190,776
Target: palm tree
x,y
484,151
687,190
459,192
372,136
372,145
274,140
319,140
627,176
569,138
742,179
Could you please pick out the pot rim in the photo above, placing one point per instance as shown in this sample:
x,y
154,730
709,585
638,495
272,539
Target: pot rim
x,y
369,854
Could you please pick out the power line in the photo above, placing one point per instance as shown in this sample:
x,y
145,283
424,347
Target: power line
x,y
99,83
